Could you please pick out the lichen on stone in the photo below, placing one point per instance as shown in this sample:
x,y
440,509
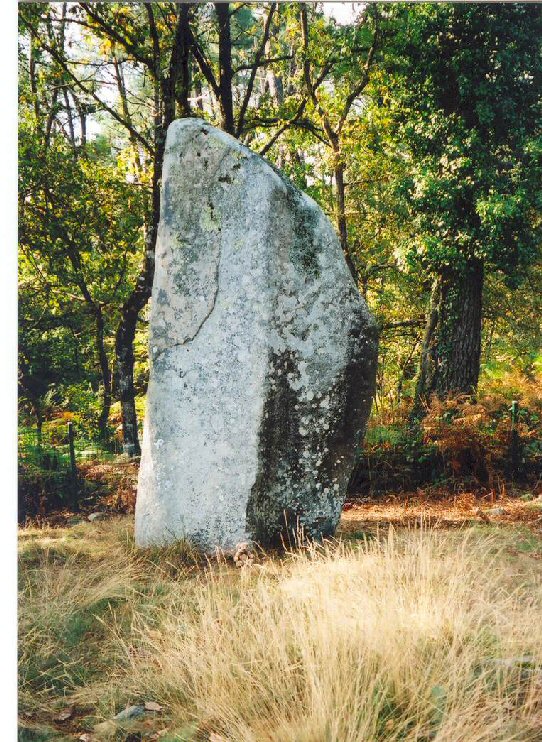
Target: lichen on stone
x,y
263,355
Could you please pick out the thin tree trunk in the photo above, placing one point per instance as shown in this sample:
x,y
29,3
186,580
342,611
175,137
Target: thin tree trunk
x,y
51,118
59,44
450,361
124,377
340,202
274,82
333,132
103,419
126,330
198,94
403,369
68,108
125,336
181,69
82,118
33,82
226,73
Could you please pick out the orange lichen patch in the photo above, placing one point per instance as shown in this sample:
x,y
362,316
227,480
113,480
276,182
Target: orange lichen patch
x,y
411,508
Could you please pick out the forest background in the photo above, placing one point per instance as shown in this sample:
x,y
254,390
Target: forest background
x,y
416,127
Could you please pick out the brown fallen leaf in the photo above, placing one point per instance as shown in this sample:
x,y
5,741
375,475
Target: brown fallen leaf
x,y
65,714
152,706
86,737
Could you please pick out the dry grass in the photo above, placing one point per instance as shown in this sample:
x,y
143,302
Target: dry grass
x,y
417,635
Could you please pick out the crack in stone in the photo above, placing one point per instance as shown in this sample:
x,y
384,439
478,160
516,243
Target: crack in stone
x,y
192,337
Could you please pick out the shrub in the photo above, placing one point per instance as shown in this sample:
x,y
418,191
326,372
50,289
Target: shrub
x,y
477,437
41,490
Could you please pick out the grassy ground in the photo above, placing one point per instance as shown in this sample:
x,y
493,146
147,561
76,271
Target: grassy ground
x,y
401,634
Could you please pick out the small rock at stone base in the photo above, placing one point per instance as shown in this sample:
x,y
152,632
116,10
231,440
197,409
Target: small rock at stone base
x,y
243,554
65,714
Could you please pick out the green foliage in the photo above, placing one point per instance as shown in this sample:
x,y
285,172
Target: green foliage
x,y
80,232
441,151
464,93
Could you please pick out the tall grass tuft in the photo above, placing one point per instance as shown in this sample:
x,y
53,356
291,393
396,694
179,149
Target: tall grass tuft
x,y
418,635
412,638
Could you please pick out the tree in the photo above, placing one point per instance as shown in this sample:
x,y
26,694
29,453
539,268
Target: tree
x,y
350,76
465,94
157,38
419,143
79,229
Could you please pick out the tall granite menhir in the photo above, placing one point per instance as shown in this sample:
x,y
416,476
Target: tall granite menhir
x,y
263,355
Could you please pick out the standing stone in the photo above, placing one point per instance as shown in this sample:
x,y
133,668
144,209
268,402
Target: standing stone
x,y
263,355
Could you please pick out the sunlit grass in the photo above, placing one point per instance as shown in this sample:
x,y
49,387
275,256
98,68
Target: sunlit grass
x,y
417,635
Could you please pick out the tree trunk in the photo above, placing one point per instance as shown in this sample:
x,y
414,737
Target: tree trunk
x,y
68,109
274,82
82,118
126,330
33,81
226,73
166,87
340,205
183,93
176,84
124,378
450,362
103,420
198,95
51,118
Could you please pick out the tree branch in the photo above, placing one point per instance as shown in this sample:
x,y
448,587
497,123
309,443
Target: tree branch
x,y
418,322
361,85
204,65
57,57
284,127
155,62
257,58
263,63
114,34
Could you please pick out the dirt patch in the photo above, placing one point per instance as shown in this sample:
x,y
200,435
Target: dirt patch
x,y
443,512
